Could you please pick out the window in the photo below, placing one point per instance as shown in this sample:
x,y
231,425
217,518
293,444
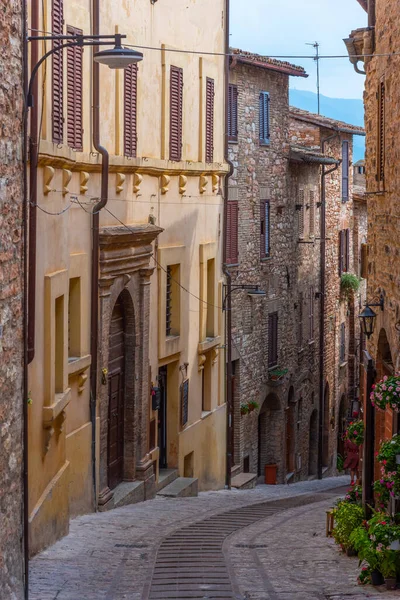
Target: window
x,y
264,133
311,315
233,112
380,175
210,326
345,171
344,250
176,114
312,213
74,318
74,93
265,228
206,381
57,75
272,340
172,305
130,110
364,261
59,346
232,250
301,301
209,120
300,213
342,342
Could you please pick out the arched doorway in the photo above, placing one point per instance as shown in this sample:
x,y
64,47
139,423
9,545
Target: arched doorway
x,y
290,432
325,429
120,389
269,433
313,444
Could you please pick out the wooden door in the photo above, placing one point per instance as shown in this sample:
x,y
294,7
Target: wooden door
x,y
162,418
116,393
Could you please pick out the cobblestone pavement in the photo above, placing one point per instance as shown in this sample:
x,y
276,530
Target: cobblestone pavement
x,y
109,556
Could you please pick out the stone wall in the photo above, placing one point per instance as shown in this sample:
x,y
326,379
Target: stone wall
x,y
11,332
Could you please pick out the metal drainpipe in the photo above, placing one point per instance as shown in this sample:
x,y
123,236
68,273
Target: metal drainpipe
x,y
95,242
25,391
371,13
228,304
322,306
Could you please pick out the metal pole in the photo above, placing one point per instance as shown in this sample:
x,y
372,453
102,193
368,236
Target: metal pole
x,y
369,438
316,46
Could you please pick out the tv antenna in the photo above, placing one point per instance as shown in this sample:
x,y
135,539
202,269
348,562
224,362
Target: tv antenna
x,y
316,45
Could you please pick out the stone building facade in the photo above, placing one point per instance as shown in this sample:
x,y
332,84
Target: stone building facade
x,y
11,303
382,109
275,191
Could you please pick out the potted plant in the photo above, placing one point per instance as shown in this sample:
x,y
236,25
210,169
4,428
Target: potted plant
x,y
349,284
382,489
348,516
360,541
253,405
386,393
383,532
388,453
355,432
244,409
354,495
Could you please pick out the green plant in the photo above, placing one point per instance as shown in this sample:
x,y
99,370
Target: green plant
x,y
348,516
364,576
244,409
387,454
382,488
349,284
355,432
386,393
253,405
360,541
354,495
339,463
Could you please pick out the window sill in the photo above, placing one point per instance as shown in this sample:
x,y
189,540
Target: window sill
x,y
266,258
234,141
78,364
343,364
208,343
300,351
61,401
311,342
205,414
265,144
230,265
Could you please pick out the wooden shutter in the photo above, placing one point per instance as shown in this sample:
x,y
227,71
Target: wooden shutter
x,y
272,340
341,252
267,229
380,175
74,93
232,250
311,314
209,120
57,75
364,261
345,171
301,301
312,213
264,117
300,213
130,110
232,112
347,249
262,229
176,114
342,342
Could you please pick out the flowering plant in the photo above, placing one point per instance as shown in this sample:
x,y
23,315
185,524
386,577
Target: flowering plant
x,y
382,531
382,489
386,393
364,576
387,454
355,432
354,495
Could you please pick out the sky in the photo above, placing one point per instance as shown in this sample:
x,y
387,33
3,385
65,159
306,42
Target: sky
x,y
284,27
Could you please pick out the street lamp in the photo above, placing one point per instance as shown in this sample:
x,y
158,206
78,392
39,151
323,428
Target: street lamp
x,y
368,316
254,291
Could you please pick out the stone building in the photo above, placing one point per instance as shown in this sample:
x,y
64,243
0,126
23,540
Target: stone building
x,y
275,244
117,340
382,110
11,303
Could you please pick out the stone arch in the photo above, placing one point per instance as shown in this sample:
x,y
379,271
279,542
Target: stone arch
x,y
269,433
325,428
313,443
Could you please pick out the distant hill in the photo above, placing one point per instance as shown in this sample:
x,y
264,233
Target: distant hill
x,y
342,109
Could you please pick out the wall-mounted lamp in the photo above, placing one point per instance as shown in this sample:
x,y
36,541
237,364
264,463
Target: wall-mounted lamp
x,y
368,316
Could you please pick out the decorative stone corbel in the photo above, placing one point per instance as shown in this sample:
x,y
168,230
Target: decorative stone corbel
x,y
120,182
165,179
137,180
48,434
82,379
67,175
202,361
84,181
182,184
47,179
215,183
203,184
214,356
63,416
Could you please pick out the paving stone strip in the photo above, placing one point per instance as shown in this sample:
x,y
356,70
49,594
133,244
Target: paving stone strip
x,y
190,562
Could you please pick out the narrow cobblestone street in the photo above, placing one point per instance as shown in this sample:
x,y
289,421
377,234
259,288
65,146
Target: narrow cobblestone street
x,y
275,551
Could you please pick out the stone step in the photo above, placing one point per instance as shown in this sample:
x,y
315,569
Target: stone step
x,y
127,492
244,481
235,470
182,487
165,477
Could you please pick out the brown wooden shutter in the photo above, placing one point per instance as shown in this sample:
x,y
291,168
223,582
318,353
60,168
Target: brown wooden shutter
x,y
232,112
74,93
301,213
311,314
341,252
130,111
301,301
342,343
272,340
262,229
312,212
209,120
57,75
347,249
345,171
176,114
364,261
380,176
232,249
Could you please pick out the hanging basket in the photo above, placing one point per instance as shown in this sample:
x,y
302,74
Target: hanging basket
x,y
386,393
